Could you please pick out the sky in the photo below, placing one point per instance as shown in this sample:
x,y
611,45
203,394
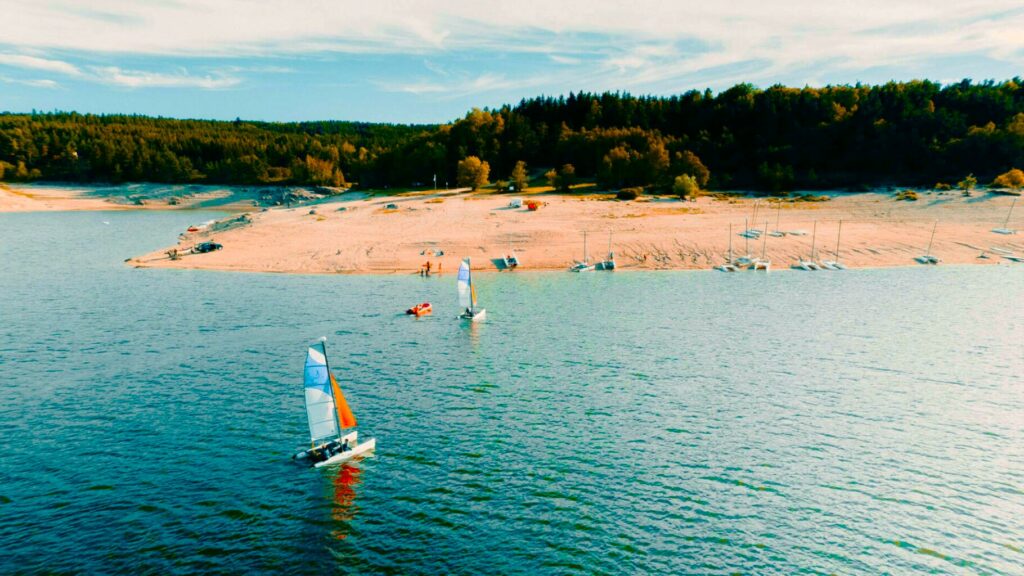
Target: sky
x,y
431,61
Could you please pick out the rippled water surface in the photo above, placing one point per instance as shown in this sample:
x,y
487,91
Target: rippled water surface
x,y
858,422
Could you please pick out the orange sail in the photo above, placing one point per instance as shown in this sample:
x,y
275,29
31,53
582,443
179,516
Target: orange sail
x,y
346,419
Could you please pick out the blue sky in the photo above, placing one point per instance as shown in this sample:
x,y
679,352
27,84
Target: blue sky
x,y
423,61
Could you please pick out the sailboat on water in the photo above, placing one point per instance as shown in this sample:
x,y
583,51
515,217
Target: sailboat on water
x,y
328,414
467,294
585,265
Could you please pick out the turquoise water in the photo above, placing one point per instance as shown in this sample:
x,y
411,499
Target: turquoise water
x,y
860,422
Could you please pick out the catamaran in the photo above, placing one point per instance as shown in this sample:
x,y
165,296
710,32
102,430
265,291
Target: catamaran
x,y
763,263
928,258
328,414
778,216
608,264
510,260
835,264
810,264
467,294
728,266
745,260
1006,225
585,265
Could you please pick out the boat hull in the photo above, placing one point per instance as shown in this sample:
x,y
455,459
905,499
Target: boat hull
x,y
359,450
478,317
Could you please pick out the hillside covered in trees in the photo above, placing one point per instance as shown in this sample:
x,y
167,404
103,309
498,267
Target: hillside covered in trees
x,y
913,133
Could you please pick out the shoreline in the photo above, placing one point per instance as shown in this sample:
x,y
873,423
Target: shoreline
x,y
365,236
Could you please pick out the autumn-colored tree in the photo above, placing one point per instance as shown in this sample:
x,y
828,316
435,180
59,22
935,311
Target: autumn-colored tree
x,y
689,163
685,186
565,178
1013,179
473,172
520,179
967,184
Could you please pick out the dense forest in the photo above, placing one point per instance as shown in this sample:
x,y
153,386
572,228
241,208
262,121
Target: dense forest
x,y
912,133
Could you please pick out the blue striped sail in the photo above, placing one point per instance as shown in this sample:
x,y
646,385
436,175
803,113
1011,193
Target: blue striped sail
x,y
320,410
465,296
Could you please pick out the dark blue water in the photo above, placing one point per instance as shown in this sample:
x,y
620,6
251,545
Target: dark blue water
x,y
860,422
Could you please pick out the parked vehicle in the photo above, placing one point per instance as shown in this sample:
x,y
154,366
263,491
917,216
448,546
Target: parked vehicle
x,y
205,247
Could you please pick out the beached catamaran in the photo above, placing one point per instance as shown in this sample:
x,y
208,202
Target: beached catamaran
x,y
763,263
1005,229
328,414
811,264
835,264
585,265
728,266
928,258
608,264
467,294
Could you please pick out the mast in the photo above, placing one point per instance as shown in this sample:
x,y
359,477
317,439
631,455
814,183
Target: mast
x,y
610,256
469,280
753,217
746,237
764,241
928,252
1007,223
730,242
814,236
839,235
585,259
327,363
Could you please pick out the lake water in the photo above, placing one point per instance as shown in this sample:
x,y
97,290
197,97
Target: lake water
x,y
861,422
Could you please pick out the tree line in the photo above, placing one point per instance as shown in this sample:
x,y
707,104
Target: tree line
x,y
779,138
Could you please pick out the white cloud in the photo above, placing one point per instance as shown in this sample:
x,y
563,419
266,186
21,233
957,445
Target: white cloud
x,y
35,83
637,44
36,63
142,79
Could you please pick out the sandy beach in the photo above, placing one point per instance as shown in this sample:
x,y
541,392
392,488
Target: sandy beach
x,y
21,199
363,235
141,196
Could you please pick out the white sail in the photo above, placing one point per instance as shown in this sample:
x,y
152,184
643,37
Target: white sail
x,y
320,409
465,286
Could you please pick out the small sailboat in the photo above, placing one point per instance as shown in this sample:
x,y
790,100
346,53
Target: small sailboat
x,y
763,263
778,216
928,258
748,259
510,260
753,232
810,264
328,414
835,264
467,294
608,264
1006,224
585,265
728,266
